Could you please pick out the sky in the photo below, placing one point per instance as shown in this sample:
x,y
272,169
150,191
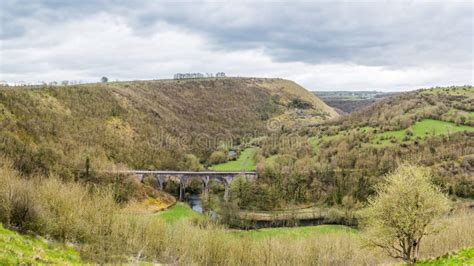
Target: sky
x,y
381,45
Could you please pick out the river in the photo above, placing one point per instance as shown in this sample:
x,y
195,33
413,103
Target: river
x,y
194,201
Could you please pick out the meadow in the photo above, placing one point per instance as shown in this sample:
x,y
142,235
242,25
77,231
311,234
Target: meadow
x,y
182,212
419,130
245,161
179,211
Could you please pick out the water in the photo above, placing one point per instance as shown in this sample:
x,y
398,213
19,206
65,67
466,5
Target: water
x,y
195,203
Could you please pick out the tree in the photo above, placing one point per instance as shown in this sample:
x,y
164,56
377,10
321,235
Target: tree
x,y
403,211
104,79
241,191
217,157
190,162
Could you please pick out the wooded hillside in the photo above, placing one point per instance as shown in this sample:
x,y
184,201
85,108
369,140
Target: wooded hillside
x,y
143,124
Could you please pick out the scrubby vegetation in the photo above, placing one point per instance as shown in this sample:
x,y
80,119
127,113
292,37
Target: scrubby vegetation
x,y
142,124
123,237
55,142
343,159
463,257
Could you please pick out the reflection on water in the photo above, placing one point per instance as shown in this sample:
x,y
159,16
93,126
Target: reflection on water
x,y
195,203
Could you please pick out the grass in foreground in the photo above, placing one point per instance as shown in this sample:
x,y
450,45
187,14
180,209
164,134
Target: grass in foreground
x,y
20,249
246,161
463,257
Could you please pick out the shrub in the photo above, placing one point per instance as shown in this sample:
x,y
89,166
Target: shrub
x,y
217,157
403,211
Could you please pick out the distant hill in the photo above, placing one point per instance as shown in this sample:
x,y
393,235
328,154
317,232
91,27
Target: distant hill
x,y
349,101
450,104
347,156
144,124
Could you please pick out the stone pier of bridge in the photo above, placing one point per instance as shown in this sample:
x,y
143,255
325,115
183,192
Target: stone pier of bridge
x,y
184,177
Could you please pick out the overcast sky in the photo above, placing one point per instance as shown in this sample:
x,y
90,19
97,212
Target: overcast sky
x,y
323,46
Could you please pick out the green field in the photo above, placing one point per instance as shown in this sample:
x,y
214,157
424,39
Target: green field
x,y
426,127
246,161
293,232
29,250
178,212
182,211
463,257
421,129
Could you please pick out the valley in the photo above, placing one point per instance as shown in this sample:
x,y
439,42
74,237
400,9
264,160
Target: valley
x,y
316,169
350,101
246,133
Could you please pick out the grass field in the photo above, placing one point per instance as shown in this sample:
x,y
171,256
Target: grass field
x,y
182,211
463,257
178,212
423,128
292,232
246,161
426,127
18,249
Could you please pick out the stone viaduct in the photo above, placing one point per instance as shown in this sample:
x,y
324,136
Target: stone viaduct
x,y
162,177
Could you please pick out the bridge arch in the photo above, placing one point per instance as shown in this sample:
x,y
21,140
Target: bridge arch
x,y
184,176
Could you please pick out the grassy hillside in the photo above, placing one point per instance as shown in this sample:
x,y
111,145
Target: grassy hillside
x,y
20,249
463,257
143,124
339,161
451,104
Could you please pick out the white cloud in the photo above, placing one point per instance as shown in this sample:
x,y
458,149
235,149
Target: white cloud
x,y
105,44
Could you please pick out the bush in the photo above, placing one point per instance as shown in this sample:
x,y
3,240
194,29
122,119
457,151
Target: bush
x,y
335,216
217,157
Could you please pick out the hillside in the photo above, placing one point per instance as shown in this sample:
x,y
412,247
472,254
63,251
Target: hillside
x,y
462,257
451,104
144,124
16,249
339,161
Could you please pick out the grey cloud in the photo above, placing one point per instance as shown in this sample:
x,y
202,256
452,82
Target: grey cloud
x,y
392,35
371,33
